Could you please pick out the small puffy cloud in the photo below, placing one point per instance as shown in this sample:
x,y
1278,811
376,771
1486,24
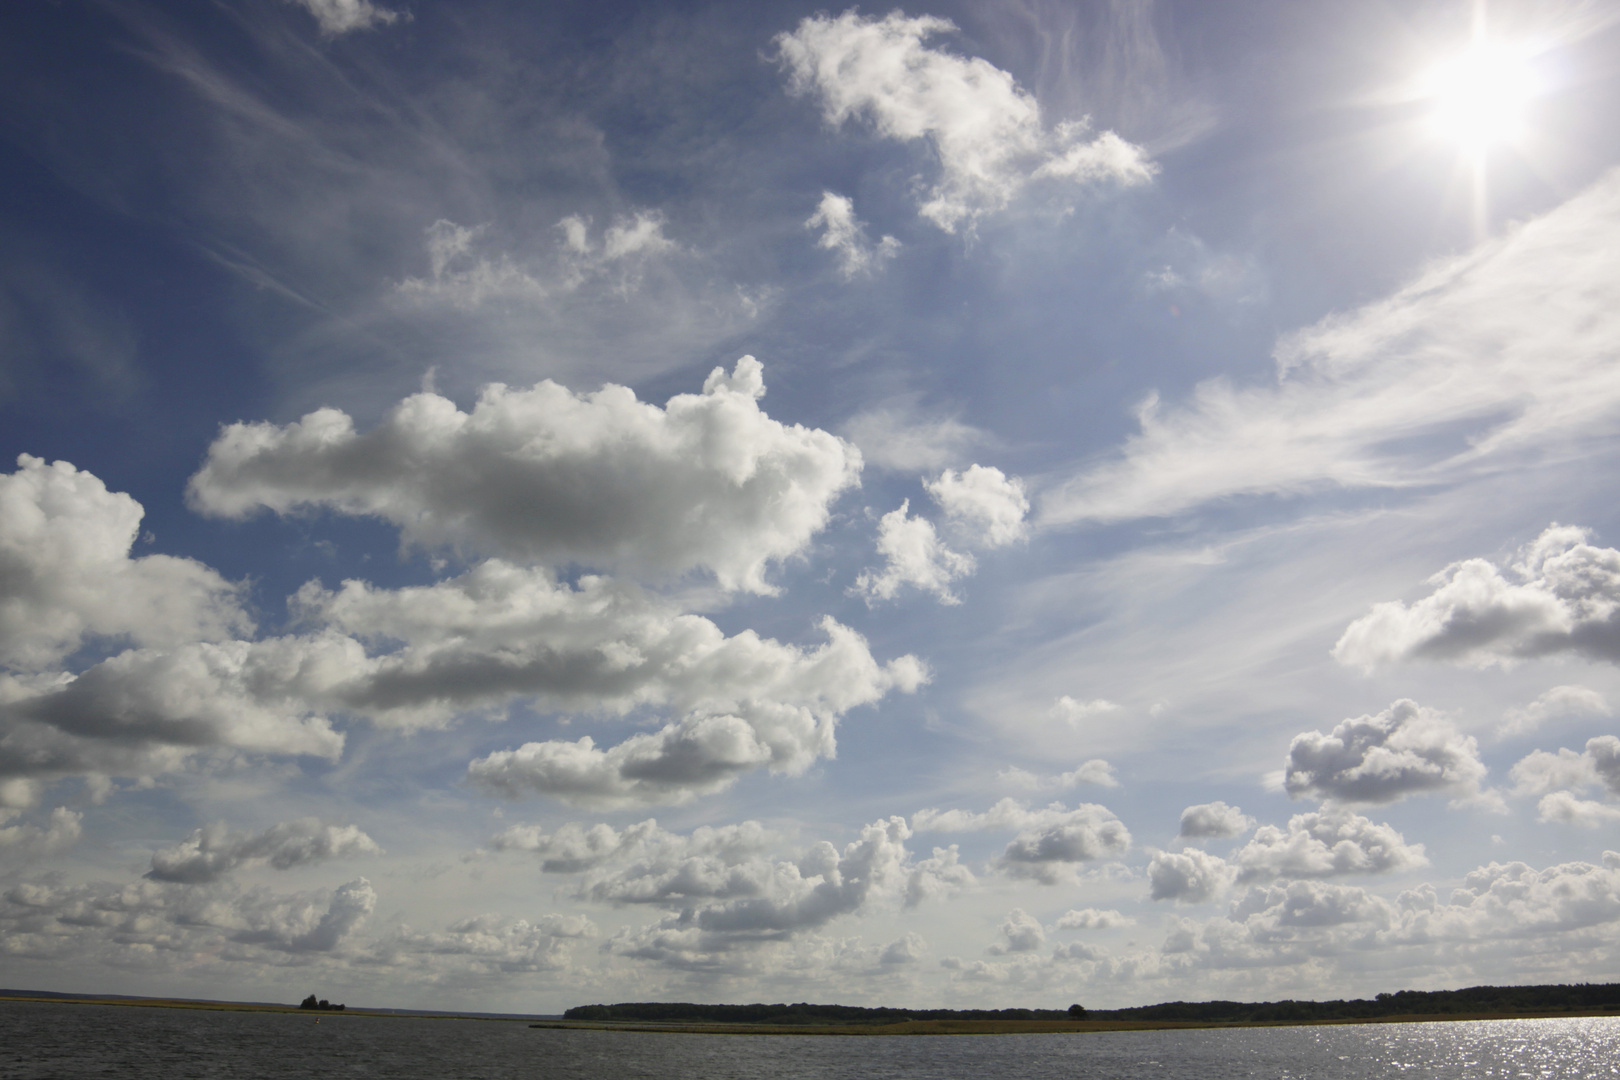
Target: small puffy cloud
x,y
1560,595
940,875
60,832
985,131
1076,713
1049,841
1021,933
1598,766
897,438
843,234
66,572
1188,877
341,16
905,950
1560,701
1213,821
463,274
1565,807
984,504
1093,919
464,280
1404,750
914,555
627,247
984,509
545,475
1327,843
213,851
1096,771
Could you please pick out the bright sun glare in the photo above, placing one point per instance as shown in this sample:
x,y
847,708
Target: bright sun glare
x,y
1480,96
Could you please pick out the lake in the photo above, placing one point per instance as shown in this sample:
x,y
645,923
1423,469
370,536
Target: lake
x,y
64,1041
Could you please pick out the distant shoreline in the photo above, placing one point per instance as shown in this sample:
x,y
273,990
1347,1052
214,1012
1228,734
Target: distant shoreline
x,y
1027,1027
53,998
903,1028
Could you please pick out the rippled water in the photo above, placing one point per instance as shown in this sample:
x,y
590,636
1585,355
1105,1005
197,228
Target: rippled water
x,y
51,1040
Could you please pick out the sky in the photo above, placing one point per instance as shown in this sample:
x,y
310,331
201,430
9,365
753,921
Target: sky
x,y
1013,503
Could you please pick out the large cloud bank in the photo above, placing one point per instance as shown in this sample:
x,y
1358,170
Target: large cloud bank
x,y
707,482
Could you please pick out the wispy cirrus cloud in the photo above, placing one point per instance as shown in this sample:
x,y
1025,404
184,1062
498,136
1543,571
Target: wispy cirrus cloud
x,y
1481,357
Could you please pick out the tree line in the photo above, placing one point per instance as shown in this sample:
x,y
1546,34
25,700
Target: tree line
x,y
1582,997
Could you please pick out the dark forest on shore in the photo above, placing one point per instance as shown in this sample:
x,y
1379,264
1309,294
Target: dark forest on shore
x,y
1583,997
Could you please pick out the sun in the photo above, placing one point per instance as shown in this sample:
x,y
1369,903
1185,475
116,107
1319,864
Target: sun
x,y
1480,96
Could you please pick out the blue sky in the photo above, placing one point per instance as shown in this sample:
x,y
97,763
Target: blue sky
x,y
978,504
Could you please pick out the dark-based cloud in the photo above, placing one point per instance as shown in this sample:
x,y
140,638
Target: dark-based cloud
x,y
1213,821
213,851
1561,594
1188,877
1327,843
545,475
1050,841
1402,751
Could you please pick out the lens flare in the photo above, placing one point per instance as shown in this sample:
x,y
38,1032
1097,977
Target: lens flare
x,y
1480,97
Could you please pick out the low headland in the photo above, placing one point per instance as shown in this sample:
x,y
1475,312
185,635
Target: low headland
x,y
803,1018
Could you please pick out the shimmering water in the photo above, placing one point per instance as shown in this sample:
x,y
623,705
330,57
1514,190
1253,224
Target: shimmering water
x,y
69,1041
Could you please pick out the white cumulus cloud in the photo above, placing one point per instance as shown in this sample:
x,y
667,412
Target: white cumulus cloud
x,y
545,475
1050,841
1326,843
66,572
843,234
1561,595
1093,919
1560,701
1188,877
1213,821
214,851
984,504
341,16
913,555
985,131
1404,750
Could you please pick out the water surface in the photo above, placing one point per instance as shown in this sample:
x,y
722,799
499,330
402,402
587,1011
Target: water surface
x,y
70,1041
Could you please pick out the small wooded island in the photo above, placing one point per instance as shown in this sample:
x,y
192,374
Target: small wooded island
x,y
1475,1002
320,1006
